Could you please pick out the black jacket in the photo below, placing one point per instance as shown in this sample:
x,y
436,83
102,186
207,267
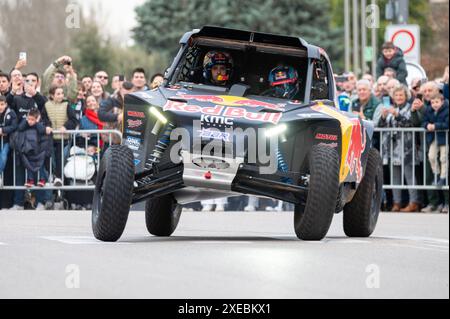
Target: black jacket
x,y
22,104
397,63
32,145
8,123
105,112
440,120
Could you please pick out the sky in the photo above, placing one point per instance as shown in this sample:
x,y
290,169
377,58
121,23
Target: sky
x,y
115,17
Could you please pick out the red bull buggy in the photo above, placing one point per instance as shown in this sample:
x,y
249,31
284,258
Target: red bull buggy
x,y
241,112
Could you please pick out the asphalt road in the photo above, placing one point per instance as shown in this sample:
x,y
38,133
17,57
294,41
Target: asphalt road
x,y
222,255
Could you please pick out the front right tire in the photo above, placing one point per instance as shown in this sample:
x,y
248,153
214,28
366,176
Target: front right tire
x,y
313,220
162,215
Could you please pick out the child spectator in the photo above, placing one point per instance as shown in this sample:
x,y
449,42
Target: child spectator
x,y
33,152
436,119
392,57
62,117
8,124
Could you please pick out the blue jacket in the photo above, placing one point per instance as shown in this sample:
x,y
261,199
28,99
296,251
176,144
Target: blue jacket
x,y
440,120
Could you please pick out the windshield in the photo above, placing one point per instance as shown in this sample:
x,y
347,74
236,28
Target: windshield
x,y
268,73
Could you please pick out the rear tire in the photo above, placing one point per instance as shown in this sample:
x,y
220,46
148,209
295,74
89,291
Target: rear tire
x,y
313,221
113,193
162,215
361,214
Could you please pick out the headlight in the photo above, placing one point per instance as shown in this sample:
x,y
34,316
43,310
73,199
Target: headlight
x,y
277,130
155,112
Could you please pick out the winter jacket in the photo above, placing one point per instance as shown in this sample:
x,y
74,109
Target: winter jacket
x,y
70,89
22,104
106,111
8,123
397,63
368,109
402,142
440,120
32,145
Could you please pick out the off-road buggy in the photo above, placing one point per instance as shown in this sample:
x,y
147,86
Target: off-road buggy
x,y
324,161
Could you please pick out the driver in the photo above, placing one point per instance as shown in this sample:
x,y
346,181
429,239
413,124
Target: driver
x,y
217,68
283,82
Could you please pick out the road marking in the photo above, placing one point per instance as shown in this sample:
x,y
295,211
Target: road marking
x,y
2,244
79,240
419,247
418,238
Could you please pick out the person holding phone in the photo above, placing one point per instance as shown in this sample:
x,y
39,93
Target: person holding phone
x,y
401,151
61,74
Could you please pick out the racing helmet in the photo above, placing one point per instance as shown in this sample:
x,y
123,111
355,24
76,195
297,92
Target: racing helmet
x,y
284,80
213,58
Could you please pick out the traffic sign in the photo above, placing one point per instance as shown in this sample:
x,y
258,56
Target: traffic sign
x,y
407,38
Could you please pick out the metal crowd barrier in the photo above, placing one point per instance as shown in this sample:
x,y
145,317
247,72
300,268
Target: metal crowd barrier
x,y
418,139
69,184
421,141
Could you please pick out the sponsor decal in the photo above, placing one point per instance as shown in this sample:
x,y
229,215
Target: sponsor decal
x,y
136,155
134,123
133,143
136,162
140,115
226,100
224,111
135,133
214,134
327,137
355,149
332,145
216,120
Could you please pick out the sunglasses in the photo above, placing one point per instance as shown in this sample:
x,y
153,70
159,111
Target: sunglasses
x,y
102,77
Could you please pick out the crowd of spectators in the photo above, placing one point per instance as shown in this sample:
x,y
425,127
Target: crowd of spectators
x,y
36,112
32,108
391,103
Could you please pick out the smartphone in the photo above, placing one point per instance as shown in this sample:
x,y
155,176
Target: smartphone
x,y
121,78
23,56
419,96
386,102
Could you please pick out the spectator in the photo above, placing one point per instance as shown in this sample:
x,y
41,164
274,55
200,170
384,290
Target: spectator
x,y
61,74
138,79
98,92
392,57
399,115
445,90
390,85
117,81
102,77
90,121
17,83
8,124
79,105
436,119
62,118
4,84
28,100
366,103
156,81
390,73
369,78
381,86
87,83
109,109
33,147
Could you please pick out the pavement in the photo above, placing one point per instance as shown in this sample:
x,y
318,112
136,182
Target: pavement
x,y
222,255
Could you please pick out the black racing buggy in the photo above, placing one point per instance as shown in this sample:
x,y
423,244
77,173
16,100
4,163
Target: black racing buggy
x,y
191,140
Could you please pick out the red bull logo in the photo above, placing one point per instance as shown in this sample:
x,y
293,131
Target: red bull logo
x,y
224,111
231,101
356,148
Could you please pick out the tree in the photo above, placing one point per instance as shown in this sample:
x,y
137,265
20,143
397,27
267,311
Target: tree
x,y
161,23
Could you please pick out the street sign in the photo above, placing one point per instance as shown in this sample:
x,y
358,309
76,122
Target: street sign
x,y
407,38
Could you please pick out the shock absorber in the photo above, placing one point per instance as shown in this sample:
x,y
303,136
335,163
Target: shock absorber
x,y
283,167
161,146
